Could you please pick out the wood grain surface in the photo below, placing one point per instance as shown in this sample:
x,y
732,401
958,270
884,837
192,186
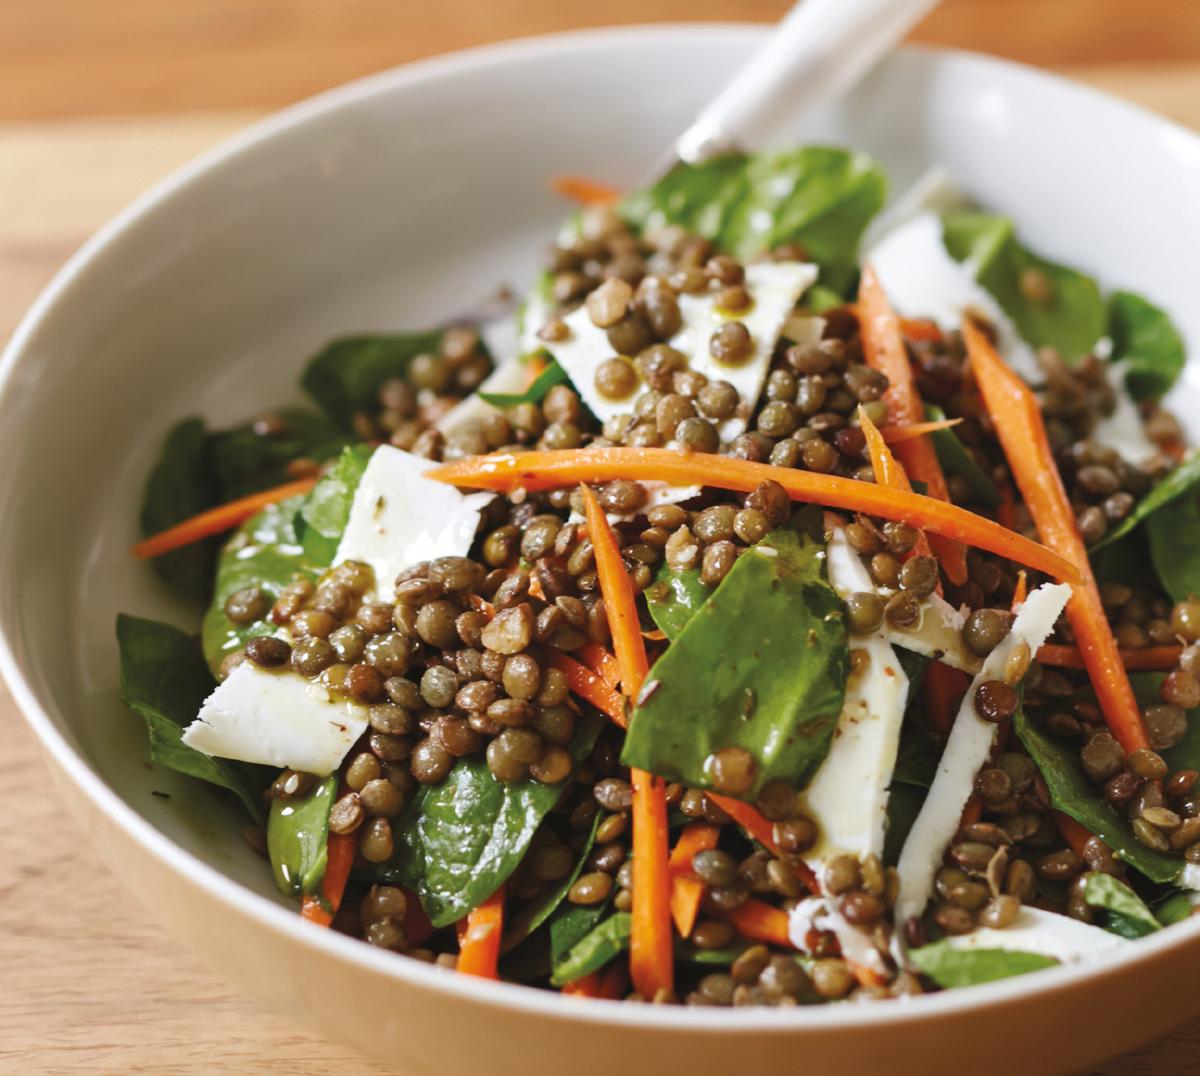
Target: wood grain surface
x,y
87,982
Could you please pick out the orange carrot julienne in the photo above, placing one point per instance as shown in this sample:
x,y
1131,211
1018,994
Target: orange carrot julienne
x,y
759,921
584,190
884,350
541,470
417,926
893,435
921,329
751,819
686,888
1072,832
340,858
590,687
479,938
943,689
972,812
1145,659
1021,590
1018,421
651,947
601,662
586,987
534,368
889,471
1006,511
217,520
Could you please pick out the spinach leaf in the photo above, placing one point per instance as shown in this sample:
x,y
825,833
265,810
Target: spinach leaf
x,y
246,461
1185,755
165,680
542,384
1145,339
775,691
458,841
1126,912
344,378
950,967
820,197
1179,481
326,510
673,597
298,838
571,924
957,460
264,552
1070,319
915,667
689,954
1173,533
1073,794
916,764
1174,908
590,954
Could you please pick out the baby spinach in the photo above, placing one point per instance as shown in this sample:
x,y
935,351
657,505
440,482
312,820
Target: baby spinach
x,y
674,596
246,461
956,459
1073,794
916,764
571,924
820,197
1071,318
1125,912
774,691
950,967
552,375
164,679
607,941
1175,907
1173,533
298,838
1184,477
323,515
459,840
1145,339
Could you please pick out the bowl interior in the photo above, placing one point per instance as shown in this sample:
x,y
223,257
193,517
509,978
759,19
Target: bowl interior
x,y
394,202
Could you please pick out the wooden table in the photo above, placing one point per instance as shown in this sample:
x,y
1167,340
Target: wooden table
x,y
86,980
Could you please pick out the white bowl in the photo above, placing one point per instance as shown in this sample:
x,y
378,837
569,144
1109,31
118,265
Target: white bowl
x,y
387,204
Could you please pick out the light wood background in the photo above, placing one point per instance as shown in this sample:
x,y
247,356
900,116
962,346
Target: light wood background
x,y
99,98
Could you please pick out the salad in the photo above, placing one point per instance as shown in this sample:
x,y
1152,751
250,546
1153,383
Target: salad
x,y
794,602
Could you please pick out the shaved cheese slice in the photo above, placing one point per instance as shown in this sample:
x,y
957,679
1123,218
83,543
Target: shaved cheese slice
x,y
774,287
932,192
1045,933
1123,429
966,751
817,913
509,376
1189,878
276,719
399,517
937,634
848,795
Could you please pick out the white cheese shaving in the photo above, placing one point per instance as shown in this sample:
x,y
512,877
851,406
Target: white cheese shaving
x,y
509,376
656,493
1123,429
1045,933
966,751
816,913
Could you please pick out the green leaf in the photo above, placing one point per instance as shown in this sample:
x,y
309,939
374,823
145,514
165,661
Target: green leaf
x,y
1073,794
673,597
1175,907
607,941
164,679
950,967
1074,316
298,838
459,840
956,459
1173,533
326,510
1128,914
571,924
821,299
1185,755
542,384
345,377
820,197
1180,480
264,552
1145,339
774,691
916,764
915,667
246,462
689,954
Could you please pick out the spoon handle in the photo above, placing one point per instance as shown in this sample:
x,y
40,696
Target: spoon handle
x,y
817,52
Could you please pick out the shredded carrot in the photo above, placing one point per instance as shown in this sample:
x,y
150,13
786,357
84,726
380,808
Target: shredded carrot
x,y
538,470
893,435
972,812
217,520
614,982
889,471
535,366
651,947
1149,658
943,689
686,888
1006,511
479,937
587,987
921,329
340,858
607,984
884,350
1072,832
417,926
1018,421
584,190
601,662
655,635
535,587
590,687
1021,590
752,821
759,921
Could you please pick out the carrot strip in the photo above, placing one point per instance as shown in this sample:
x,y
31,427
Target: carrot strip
x,y
584,190
893,435
417,926
972,812
889,471
587,987
943,689
601,662
535,366
884,350
613,982
751,820
761,922
479,937
1149,658
322,909
1072,832
538,470
921,329
1018,421
1021,590
217,520
686,888
1006,511
651,947
590,687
